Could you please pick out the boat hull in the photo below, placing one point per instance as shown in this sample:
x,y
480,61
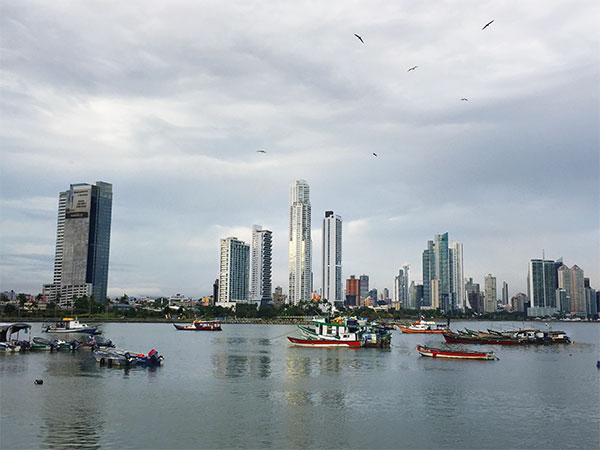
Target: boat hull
x,y
197,328
453,338
446,354
414,331
324,343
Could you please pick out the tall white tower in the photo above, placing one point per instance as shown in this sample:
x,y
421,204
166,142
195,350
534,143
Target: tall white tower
x,y
300,243
457,282
332,257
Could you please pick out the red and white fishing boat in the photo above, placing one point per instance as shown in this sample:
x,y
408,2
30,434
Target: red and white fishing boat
x,y
424,327
325,342
454,354
200,325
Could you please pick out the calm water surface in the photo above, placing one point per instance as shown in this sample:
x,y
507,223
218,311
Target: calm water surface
x,y
245,387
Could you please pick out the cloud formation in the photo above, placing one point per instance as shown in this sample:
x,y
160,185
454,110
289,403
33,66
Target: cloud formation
x,y
170,101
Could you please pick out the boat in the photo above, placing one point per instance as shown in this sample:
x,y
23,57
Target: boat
x,y
535,336
40,343
425,327
70,325
480,338
454,354
355,343
10,341
200,325
112,357
342,332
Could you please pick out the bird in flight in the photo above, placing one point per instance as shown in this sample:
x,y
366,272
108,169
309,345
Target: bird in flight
x,y
412,68
261,151
359,38
374,154
464,99
487,25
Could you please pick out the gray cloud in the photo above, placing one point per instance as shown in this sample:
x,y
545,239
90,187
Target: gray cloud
x,y
170,103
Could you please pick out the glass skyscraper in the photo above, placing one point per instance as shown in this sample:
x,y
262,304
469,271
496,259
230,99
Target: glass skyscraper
x,y
82,244
332,258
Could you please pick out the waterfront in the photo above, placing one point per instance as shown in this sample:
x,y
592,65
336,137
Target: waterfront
x,y
246,387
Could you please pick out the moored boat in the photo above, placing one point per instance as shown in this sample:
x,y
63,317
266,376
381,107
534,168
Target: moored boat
x,y
112,357
454,354
200,325
424,327
70,325
355,343
343,332
479,338
10,340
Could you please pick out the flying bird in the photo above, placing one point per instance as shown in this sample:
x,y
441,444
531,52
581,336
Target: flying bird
x,y
464,99
261,151
412,68
487,25
359,38
374,154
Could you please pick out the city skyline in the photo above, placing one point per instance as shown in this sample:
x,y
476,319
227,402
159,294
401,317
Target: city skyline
x,y
177,128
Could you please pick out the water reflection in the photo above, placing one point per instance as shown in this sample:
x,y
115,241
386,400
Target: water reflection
x,y
71,411
236,366
297,367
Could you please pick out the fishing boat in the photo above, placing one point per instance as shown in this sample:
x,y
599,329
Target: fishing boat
x,y
200,325
424,327
480,338
452,354
535,336
10,339
70,325
342,332
40,343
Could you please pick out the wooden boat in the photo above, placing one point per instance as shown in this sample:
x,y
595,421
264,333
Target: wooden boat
x,y
340,331
200,325
451,354
458,338
325,342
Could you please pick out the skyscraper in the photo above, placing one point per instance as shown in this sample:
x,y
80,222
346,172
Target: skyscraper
x,y
490,298
364,288
332,258
572,281
457,279
300,243
504,293
437,266
542,282
401,286
261,263
428,272
233,271
82,244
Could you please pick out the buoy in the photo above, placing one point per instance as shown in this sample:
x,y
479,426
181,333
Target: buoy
x,y
38,382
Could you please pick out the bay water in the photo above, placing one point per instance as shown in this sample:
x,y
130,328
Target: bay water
x,y
247,387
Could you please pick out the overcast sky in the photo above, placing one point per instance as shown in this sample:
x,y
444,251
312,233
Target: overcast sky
x,y
170,101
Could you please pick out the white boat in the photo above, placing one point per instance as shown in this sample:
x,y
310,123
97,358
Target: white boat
x,y
8,342
70,325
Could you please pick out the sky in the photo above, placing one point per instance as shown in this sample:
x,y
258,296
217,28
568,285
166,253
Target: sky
x,y
170,101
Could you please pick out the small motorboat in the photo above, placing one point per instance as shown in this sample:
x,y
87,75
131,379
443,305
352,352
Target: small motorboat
x,y
200,325
424,327
454,354
70,325
112,357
